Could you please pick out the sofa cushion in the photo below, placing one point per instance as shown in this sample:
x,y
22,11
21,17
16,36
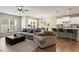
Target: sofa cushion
x,y
46,33
30,30
24,30
38,30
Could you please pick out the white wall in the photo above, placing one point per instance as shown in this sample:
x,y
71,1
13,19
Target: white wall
x,y
23,23
42,22
59,21
51,20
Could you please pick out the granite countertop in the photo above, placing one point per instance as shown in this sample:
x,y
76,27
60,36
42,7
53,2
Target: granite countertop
x,y
68,28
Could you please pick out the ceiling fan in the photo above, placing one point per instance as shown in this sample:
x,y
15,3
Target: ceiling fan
x,y
21,9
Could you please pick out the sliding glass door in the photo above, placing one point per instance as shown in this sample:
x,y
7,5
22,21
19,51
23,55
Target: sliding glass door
x,y
4,24
13,24
8,24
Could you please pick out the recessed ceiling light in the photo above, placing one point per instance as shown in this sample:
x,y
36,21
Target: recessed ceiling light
x,y
69,10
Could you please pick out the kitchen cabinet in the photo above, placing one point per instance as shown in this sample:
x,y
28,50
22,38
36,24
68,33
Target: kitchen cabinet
x,y
68,20
74,20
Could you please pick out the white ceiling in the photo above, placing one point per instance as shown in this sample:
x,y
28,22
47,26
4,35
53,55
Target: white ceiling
x,y
40,11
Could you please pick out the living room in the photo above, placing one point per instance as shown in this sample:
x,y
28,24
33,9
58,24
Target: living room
x,y
39,28
17,21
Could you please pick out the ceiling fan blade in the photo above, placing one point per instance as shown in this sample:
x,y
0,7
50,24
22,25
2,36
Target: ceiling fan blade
x,y
26,10
21,10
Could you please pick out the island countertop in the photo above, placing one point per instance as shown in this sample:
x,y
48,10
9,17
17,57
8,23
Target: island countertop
x,y
68,28
77,29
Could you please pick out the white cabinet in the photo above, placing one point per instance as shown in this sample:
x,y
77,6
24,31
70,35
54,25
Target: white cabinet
x,y
68,20
63,20
74,20
59,21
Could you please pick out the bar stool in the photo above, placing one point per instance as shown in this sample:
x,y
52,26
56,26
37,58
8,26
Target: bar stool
x,y
66,34
61,33
54,31
75,34
71,33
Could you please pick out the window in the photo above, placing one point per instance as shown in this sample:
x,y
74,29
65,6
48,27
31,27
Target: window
x,y
8,24
5,20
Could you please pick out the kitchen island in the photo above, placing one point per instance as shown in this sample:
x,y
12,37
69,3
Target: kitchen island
x,y
70,33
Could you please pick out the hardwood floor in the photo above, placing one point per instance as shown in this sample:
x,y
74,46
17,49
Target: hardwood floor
x,y
66,45
62,45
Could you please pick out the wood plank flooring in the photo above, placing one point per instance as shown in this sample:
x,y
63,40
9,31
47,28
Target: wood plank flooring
x,y
62,45
66,45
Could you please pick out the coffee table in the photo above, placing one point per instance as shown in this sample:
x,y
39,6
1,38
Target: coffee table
x,y
13,40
